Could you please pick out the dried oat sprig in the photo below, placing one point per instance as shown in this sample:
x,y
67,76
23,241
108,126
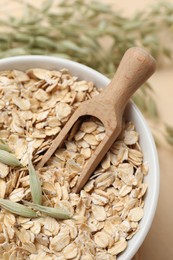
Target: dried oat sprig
x,y
58,213
42,31
8,158
35,184
4,146
80,38
17,208
169,134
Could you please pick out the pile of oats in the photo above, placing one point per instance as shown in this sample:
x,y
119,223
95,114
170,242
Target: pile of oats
x,y
34,106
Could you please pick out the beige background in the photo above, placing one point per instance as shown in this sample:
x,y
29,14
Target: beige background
x,y
159,243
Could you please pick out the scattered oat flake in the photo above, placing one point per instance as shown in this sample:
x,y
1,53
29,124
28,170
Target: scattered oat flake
x,y
2,188
79,135
62,110
106,163
118,247
142,190
30,247
42,115
4,170
51,226
99,212
52,131
2,104
70,251
20,76
17,195
100,137
81,86
101,239
41,95
136,214
60,241
131,137
125,190
22,103
90,139
40,73
36,228
104,256
86,152
88,127
89,185
9,219
99,200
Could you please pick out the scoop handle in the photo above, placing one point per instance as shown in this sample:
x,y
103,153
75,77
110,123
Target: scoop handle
x,y
136,66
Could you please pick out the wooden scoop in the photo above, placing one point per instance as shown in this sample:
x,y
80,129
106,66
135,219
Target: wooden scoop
x,y
135,68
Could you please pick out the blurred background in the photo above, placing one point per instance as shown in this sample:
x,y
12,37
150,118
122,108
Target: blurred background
x,y
110,31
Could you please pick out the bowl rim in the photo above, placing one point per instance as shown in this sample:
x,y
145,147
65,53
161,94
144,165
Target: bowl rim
x,y
156,181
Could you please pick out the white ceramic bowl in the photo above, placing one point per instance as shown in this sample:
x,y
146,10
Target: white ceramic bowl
x,y
131,113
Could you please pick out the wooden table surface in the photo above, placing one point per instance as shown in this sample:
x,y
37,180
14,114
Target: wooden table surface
x,y
158,244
